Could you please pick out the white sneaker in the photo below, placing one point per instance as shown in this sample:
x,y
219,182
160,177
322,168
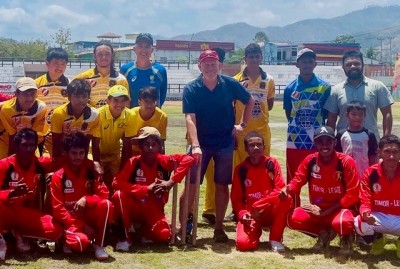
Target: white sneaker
x,y
3,248
100,253
123,246
277,246
67,249
23,244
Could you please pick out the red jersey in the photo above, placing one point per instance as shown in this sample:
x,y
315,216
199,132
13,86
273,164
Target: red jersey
x,y
380,194
11,175
326,185
136,175
259,184
67,188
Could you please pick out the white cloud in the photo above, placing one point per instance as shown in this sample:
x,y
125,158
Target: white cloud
x,y
9,15
86,19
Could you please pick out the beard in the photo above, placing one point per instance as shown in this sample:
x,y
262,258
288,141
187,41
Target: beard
x,y
354,74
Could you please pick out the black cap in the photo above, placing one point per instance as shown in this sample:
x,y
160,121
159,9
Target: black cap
x,y
324,131
145,36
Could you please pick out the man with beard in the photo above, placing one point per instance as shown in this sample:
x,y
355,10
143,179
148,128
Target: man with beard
x,y
372,93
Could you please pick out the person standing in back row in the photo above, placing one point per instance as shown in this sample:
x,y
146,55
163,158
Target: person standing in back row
x,y
143,72
372,93
303,103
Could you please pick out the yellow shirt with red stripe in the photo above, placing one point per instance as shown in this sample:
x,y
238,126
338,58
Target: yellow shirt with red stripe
x,y
64,122
15,119
53,93
101,84
262,89
111,130
159,120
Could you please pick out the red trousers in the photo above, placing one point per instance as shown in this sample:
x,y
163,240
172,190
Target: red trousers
x,y
294,157
274,216
96,217
342,222
149,212
28,222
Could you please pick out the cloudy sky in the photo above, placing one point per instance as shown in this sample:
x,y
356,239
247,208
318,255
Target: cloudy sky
x,y
30,19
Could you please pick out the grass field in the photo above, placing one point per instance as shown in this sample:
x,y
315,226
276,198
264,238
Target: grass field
x,y
207,254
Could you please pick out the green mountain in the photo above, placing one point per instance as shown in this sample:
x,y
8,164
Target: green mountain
x,y
366,25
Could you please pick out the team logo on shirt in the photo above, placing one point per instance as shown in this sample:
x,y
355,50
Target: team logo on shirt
x,y
68,186
248,182
339,175
64,92
139,172
376,187
315,171
14,179
45,91
295,95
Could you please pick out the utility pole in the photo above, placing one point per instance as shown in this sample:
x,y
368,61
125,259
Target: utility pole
x,y
381,58
390,51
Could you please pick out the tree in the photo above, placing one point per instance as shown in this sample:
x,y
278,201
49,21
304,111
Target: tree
x,y
261,37
62,37
345,39
371,53
236,57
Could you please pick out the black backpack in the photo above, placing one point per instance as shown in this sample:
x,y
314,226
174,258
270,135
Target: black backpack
x,y
242,173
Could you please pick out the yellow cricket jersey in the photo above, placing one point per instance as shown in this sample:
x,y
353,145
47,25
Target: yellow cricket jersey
x,y
111,130
159,121
15,119
98,95
3,141
262,89
64,122
53,93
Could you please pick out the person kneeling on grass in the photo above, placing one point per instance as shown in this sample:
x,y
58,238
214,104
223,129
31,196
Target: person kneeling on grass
x,y
380,197
141,188
257,182
333,186
79,199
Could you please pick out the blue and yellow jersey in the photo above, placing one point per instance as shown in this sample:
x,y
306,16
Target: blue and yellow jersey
x,y
305,102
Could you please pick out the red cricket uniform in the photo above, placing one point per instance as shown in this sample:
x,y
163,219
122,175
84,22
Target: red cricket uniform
x,y
327,186
259,191
66,189
382,194
136,204
23,214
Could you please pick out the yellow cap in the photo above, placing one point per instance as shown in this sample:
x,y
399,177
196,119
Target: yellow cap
x,y
117,91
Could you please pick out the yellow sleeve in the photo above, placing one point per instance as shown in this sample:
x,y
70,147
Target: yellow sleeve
x,y
124,83
130,130
38,122
271,89
57,121
6,119
95,130
163,126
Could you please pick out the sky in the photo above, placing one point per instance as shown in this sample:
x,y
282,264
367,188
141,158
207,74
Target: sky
x,y
40,19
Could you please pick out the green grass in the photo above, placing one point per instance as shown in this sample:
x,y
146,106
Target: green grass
x,y
207,254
